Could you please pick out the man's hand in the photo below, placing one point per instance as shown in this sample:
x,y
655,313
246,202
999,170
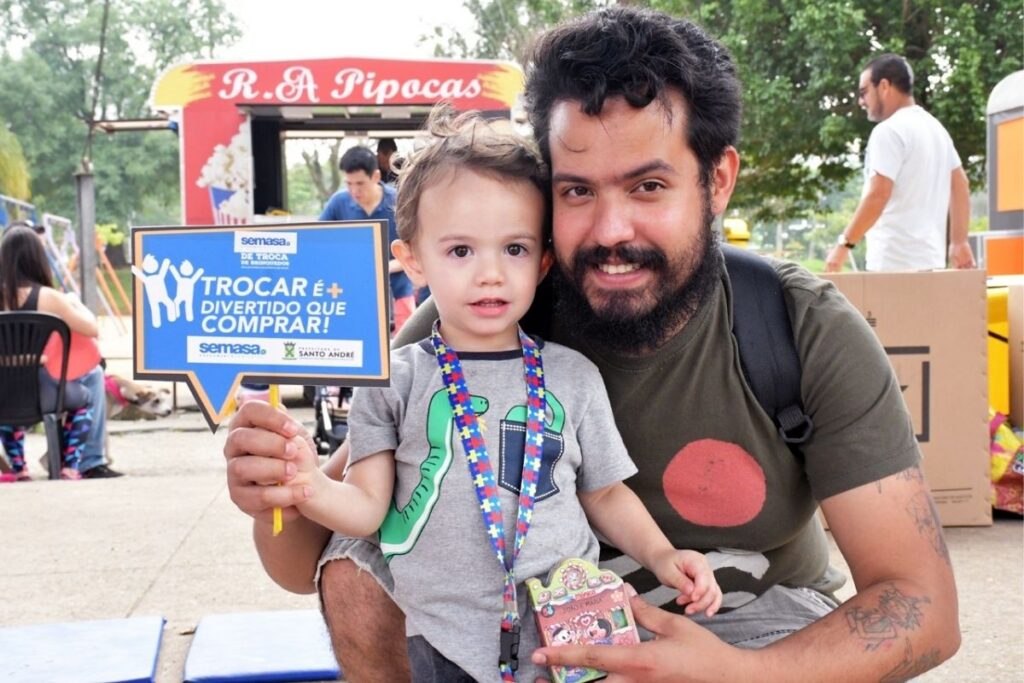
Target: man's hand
x,y
961,256
682,652
836,259
262,451
689,572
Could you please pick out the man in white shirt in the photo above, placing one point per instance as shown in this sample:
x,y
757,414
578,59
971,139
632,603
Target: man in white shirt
x,y
913,179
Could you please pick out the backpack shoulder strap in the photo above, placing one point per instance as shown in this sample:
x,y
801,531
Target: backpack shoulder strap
x,y
764,334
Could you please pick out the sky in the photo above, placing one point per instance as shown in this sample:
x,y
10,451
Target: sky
x,y
301,29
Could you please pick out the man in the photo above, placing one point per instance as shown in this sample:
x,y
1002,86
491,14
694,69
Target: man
x,y
638,114
386,149
912,175
365,197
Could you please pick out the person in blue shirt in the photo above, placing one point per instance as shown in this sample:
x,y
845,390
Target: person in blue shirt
x,y
365,197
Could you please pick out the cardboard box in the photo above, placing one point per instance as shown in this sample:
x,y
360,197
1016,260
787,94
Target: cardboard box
x,y
933,326
1015,313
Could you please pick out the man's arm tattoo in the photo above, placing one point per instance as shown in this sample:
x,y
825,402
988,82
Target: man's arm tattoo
x,y
896,612
922,508
910,474
909,667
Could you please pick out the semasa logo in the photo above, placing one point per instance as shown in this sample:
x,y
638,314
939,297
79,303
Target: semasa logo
x,y
239,349
264,241
259,242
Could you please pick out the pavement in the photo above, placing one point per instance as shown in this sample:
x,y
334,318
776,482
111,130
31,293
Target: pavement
x,y
166,540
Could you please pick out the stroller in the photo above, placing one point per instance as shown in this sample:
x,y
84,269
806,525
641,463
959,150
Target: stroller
x,y
330,405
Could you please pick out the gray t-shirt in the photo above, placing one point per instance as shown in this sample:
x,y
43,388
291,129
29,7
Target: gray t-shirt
x,y
447,578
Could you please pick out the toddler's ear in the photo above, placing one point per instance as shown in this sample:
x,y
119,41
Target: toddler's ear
x,y
546,261
403,251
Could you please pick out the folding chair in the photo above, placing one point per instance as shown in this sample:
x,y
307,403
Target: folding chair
x,y
23,336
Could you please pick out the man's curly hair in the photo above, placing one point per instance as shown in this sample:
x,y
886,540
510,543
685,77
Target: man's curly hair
x,y
639,55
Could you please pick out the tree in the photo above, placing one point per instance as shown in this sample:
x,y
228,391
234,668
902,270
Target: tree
x,y
504,28
324,176
304,199
51,92
799,61
14,178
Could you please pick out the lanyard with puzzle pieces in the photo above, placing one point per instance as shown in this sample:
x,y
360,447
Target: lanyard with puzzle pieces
x,y
483,474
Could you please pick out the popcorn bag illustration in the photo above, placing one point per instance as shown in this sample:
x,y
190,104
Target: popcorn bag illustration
x,y
228,175
581,604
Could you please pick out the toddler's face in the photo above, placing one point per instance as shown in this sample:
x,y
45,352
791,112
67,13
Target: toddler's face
x,y
480,249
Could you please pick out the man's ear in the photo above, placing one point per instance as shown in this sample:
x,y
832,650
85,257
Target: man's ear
x,y
403,251
375,177
723,179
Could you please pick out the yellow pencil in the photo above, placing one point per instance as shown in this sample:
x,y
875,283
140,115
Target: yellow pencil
x,y
275,400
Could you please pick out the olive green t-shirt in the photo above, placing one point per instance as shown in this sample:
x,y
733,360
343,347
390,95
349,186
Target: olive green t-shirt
x,y
713,470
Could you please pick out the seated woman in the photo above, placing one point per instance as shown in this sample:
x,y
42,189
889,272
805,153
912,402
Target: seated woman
x,y
26,285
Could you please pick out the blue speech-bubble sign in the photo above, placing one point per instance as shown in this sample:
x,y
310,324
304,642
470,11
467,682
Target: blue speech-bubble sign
x,y
281,304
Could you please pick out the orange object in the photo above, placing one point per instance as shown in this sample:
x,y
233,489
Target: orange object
x,y
109,268
1004,255
85,355
275,400
1010,165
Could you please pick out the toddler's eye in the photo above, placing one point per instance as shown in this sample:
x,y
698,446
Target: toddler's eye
x,y
460,251
516,250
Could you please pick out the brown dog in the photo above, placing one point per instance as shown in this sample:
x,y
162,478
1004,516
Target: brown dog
x,y
129,400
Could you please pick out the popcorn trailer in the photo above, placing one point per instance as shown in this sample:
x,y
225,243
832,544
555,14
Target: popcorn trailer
x,y
233,119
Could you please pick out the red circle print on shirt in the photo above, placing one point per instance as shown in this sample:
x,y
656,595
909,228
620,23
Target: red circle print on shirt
x,y
714,483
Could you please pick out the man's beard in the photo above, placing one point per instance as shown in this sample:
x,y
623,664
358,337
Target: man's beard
x,y
679,289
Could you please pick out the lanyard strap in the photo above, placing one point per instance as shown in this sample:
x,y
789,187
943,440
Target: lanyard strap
x,y
483,474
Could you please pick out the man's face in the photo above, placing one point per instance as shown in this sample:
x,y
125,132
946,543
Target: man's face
x,y
362,186
384,160
869,98
631,219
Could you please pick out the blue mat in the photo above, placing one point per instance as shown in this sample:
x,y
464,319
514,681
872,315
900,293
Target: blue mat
x,y
106,651
261,646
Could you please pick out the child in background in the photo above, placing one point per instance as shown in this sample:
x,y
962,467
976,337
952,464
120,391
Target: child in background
x,y
484,422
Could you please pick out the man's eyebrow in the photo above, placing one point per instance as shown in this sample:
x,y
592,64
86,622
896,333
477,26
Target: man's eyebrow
x,y
649,167
568,178
642,170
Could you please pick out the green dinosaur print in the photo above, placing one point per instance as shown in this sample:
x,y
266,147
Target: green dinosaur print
x,y
402,527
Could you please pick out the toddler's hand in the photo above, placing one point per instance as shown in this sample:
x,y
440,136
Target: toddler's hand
x,y
689,572
305,458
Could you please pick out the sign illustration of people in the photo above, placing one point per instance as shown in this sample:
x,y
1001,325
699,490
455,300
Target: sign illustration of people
x,y
154,282
186,280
